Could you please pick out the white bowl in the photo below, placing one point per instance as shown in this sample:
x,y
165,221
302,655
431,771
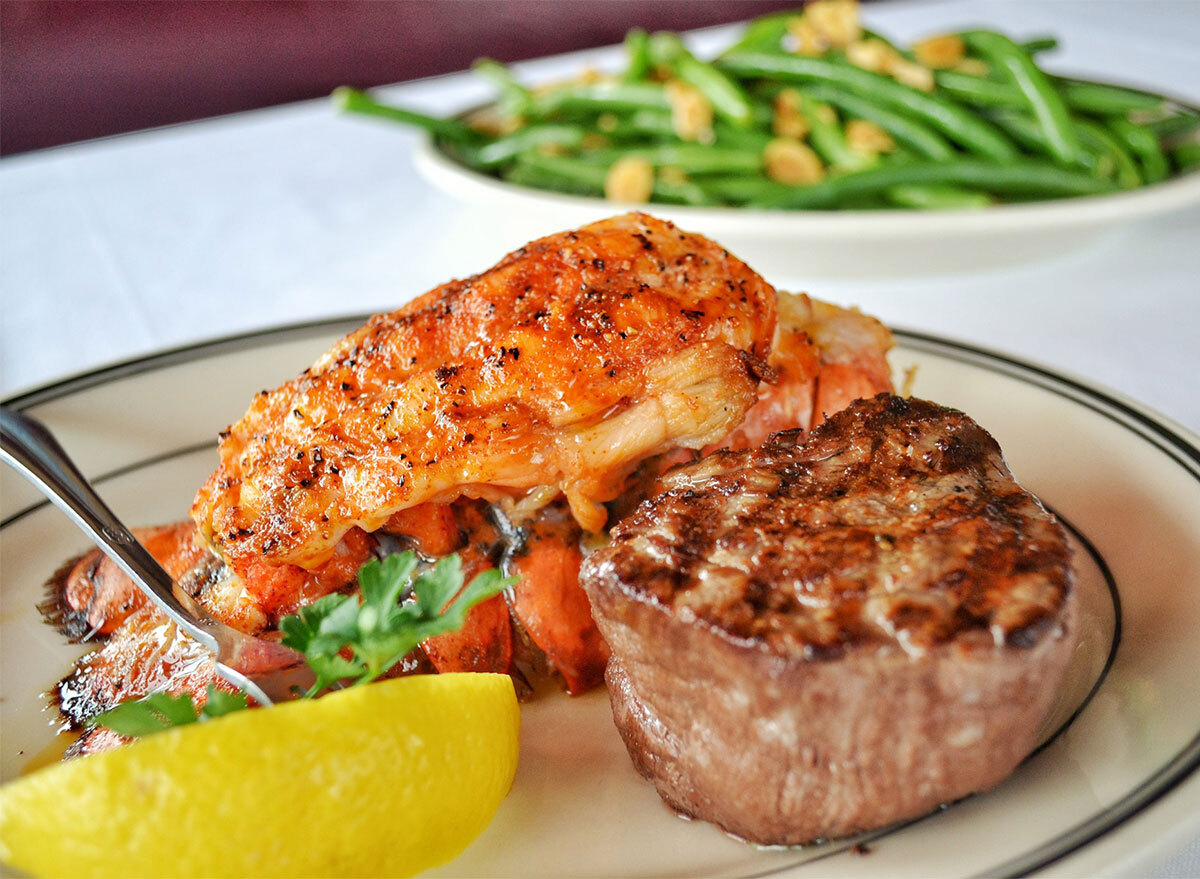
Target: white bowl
x,y
836,244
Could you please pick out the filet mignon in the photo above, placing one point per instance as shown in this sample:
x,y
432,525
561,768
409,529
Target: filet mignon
x,y
811,639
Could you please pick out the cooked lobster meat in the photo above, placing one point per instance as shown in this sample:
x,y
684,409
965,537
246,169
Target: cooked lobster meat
x,y
815,638
562,367
507,417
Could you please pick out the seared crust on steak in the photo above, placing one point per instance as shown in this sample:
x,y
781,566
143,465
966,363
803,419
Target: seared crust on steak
x,y
815,639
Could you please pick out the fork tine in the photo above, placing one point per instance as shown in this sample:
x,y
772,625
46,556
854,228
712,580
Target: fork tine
x,y
30,447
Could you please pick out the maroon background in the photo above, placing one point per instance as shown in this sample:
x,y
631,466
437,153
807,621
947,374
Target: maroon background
x,y
76,69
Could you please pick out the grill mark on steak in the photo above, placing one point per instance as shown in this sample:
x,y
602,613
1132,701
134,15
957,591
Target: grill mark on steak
x,y
897,522
812,640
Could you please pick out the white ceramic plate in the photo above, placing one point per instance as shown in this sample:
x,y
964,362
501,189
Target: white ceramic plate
x,y
836,244
1114,786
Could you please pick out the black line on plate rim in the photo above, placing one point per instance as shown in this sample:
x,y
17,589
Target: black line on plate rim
x,y
164,358
119,471
1162,437
1110,583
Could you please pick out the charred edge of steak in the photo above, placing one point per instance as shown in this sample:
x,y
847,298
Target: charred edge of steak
x,y
792,546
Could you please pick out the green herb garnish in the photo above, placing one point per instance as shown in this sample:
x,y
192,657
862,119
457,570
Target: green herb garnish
x,y
377,628
344,638
159,711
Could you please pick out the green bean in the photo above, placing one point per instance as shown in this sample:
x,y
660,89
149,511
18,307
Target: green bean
x,y
1022,129
600,97
637,47
825,135
515,99
744,190
583,178
636,124
351,100
1033,45
1025,131
1179,123
657,124
1186,156
567,174
686,193
534,178
931,197
1027,177
692,158
729,100
952,120
978,90
1039,44
503,149
764,34
741,188
1144,144
874,35
1046,103
923,139
1099,139
1107,100
1087,97
742,138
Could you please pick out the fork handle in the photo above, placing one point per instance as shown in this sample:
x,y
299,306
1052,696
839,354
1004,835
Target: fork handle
x,y
32,450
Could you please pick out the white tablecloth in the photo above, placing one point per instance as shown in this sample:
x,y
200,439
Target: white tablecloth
x,y
114,248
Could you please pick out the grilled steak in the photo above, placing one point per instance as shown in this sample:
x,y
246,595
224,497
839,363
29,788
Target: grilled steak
x,y
814,639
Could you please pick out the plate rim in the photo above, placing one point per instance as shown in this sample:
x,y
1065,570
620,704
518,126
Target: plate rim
x,y
1177,442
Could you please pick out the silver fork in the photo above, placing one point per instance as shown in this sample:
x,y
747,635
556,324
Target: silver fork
x,y
30,447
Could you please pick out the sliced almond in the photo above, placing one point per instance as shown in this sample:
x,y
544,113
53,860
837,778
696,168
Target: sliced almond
x,y
940,52
808,39
691,112
836,21
630,179
791,162
872,54
868,139
788,120
911,74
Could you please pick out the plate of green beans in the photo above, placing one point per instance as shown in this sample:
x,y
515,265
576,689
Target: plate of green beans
x,y
816,144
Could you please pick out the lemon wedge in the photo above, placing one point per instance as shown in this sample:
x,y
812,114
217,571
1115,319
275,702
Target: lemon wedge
x,y
382,780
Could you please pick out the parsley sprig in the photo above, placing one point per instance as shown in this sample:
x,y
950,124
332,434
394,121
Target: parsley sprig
x,y
159,711
380,629
345,639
